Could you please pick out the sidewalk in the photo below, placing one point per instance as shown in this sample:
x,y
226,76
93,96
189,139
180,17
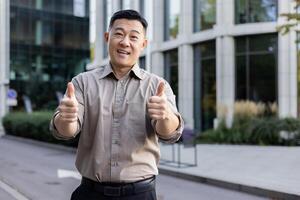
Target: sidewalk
x,y
271,171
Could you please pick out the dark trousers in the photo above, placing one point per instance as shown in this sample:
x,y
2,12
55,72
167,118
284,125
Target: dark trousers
x,y
91,190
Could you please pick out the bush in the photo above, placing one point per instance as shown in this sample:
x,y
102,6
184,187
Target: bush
x,y
258,131
34,126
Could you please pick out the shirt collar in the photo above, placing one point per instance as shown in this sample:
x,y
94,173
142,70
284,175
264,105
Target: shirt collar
x,y
107,70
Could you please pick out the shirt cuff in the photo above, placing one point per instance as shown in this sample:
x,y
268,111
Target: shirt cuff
x,y
175,135
55,132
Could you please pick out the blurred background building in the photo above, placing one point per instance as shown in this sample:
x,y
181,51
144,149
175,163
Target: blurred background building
x,y
213,52
49,44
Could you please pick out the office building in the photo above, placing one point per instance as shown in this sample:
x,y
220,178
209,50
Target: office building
x,y
213,52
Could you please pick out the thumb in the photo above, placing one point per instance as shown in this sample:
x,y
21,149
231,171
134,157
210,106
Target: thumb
x,y
70,90
160,89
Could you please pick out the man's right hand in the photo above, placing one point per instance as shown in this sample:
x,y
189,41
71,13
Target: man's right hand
x,y
66,121
68,107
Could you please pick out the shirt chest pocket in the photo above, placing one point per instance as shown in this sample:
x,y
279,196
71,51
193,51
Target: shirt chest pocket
x,y
136,119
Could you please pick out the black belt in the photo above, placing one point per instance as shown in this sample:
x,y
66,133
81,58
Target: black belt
x,y
120,189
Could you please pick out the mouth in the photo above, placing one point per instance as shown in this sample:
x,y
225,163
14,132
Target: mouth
x,y
123,52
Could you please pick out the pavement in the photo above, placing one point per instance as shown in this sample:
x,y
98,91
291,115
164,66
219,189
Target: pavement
x,y
269,171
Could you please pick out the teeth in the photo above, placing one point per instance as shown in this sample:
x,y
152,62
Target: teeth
x,y
122,51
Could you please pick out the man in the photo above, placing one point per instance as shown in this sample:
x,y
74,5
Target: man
x,y
121,112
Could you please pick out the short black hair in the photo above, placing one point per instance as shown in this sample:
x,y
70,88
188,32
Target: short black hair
x,y
130,15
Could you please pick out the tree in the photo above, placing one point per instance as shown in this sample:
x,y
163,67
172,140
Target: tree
x,y
292,20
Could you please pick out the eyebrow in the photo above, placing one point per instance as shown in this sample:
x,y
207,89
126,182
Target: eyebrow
x,y
122,29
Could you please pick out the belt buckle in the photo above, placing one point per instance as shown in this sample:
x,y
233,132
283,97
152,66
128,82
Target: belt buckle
x,y
112,191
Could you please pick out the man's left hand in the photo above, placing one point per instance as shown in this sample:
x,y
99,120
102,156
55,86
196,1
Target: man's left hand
x,y
158,107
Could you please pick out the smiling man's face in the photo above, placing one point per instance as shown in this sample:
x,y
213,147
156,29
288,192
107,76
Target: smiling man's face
x,y
126,40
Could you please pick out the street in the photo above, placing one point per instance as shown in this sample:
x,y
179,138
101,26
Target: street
x,y
29,171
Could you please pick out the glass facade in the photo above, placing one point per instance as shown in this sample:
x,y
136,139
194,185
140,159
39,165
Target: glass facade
x,y
171,19
171,70
107,13
142,7
256,68
142,62
298,74
47,48
204,14
204,85
125,4
249,11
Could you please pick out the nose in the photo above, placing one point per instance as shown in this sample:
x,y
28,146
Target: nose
x,y
125,41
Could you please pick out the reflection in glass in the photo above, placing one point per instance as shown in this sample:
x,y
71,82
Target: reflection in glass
x,y
248,11
256,68
204,85
171,69
204,14
46,50
172,12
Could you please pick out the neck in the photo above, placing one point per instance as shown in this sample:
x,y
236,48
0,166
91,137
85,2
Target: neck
x,y
120,71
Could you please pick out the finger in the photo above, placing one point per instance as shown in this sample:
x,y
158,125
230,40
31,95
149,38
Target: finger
x,y
69,120
155,112
68,109
68,115
155,106
68,102
70,90
156,117
156,99
160,89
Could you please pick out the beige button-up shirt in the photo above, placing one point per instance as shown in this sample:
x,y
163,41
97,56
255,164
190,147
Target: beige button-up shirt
x,y
118,141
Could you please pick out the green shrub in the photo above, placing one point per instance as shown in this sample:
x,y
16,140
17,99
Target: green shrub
x,y
34,126
258,131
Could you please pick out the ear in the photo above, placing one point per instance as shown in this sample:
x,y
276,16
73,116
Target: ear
x,y
106,36
145,43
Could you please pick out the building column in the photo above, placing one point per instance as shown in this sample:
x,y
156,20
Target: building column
x,y
225,60
157,58
186,84
287,66
186,65
4,58
96,33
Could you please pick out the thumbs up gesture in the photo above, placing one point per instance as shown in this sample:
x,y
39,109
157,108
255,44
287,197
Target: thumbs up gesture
x,y
157,105
68,107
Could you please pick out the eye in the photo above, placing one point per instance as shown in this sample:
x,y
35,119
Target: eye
x,y
134,38
118,34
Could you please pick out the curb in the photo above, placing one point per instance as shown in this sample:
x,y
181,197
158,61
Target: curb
x,y
40,143
232,186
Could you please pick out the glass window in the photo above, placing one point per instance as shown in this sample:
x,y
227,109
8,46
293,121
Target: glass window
x,y
256,68
125,4
204,85
107,12
171,69
142,7
47,50
204,14
142,62
172,12
248,11
298,73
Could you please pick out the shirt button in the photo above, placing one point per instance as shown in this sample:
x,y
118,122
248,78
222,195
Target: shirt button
x,y
115,142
